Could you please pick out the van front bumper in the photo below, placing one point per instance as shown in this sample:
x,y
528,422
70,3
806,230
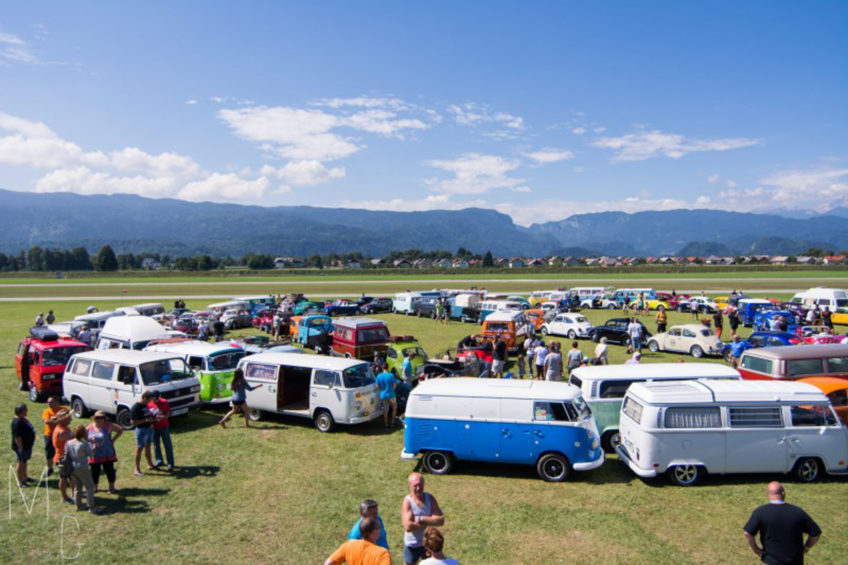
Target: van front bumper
x,y
589,465
407,455
625,458
360,419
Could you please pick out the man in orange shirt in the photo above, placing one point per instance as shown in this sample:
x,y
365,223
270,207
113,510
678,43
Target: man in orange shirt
x,y
363,551
50,421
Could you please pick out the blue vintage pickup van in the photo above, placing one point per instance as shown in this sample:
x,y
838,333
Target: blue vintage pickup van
x,y
546,424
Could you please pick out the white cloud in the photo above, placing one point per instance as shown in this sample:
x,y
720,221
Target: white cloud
x,y
219,186
819,188
648,144
83,180
713,178
14,50
165,164
550,155
475,174
731,183
365,102
191,102
579,130
35,144
432,202
522,189
304,173
382,122
474,115
599,130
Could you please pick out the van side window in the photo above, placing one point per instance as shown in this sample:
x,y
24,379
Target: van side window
x,y
837,364
693,417
613,389
756,364
575,380
839,398
755,417
812,415
196,363
805,367
632,409
82,367
550,411
103,370
324,378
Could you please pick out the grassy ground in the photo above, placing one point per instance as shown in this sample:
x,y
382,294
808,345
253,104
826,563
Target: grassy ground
x,y
286,493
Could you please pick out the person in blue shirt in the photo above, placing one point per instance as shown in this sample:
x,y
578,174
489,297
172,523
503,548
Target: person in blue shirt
x,y
736,349
408,374
369,509
386,384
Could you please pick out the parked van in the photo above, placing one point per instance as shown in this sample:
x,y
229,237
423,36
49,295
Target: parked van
x,y
489,306
833,298
591,296
213,364
114,380
148,309
747,309
546,424
693,428
257,303
465,306
795,362
130,332
404,302
95,321
604,387
220,307
325,389
40,362
511,325
359,338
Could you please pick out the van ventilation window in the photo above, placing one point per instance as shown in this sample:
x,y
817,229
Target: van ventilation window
x,y
837,364
755,417
693,417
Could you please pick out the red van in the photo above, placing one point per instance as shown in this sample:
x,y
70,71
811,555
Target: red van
x,y
795,362
360,338
40,362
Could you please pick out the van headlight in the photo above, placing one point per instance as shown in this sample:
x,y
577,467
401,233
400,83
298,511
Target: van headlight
x,y
358,405
595,442
195,388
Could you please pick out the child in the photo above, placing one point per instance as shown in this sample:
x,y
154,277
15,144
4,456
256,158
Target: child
x,y
520,362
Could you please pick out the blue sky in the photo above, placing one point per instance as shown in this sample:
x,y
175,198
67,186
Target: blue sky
x,y
540,110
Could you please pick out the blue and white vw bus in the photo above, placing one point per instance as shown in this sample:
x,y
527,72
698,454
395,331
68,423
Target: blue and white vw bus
x,y
546,424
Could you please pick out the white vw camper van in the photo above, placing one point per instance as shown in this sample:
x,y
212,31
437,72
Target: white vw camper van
x,y
688,429
130,332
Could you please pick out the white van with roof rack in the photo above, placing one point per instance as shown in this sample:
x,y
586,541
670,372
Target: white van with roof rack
x,y
688,429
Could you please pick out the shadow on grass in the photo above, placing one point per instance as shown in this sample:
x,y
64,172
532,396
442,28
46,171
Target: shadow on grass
x,y
130,500
374,428
742,479
193,471
604,475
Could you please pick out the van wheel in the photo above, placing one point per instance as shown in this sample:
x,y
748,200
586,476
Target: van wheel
x,y
685,475
696,351
611,307
124,419
34,395
324,421
544,330
254,415
572,334
610,441
595,337
808,470
78,408
653,346
553,468
437,462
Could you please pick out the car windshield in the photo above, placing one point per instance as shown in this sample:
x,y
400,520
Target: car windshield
x,y
226,361
164,371
318,322
58,356
371,335
419,352
582,409
580,319
706,332
358,376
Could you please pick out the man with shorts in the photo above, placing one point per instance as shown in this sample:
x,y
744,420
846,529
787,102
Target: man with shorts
x,y
143,421
499,357
419,510
50,421
363,551
387,385
781,528
408,373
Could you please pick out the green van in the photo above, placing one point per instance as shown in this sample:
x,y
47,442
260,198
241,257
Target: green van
x,y
212,363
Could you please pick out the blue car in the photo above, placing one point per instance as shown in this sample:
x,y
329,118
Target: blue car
x,y
764,339
763,319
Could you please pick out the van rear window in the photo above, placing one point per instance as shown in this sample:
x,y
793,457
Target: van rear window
x,y
632,409
614,389
799,367
756,364
755,417
693,417
837,364
813,415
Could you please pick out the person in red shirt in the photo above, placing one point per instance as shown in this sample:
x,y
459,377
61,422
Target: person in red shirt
x,y
161,410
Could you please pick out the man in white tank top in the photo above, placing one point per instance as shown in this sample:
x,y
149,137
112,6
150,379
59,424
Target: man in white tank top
x,y
419,510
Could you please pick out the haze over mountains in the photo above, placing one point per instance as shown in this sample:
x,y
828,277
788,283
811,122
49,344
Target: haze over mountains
x,y
135,224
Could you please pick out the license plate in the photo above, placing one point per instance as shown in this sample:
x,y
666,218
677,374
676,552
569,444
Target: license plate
x,y
179,411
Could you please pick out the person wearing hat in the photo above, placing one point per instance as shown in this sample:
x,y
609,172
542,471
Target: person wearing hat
x,y
102,435
39,320
50,421
61,435
637,357
143,421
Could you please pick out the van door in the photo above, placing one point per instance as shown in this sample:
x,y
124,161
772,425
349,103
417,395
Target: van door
x,y
127,385
756,440
99,391
327,392
516,431
486,429
264,398
816,432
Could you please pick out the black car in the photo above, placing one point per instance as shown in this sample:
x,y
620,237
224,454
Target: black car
x,y
377,305
425,307
615,330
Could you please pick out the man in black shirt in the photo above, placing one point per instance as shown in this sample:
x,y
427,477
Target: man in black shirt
x,y
142,419
499,357
781,527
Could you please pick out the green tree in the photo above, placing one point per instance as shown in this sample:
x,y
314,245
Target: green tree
x,y
105,260
35,259
488,260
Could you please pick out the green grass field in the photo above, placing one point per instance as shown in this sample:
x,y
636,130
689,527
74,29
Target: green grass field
x,y
286,493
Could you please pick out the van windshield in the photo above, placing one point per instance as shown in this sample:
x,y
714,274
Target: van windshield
x,y
164,371
582,408
225,361
58,356
358,376
371,335
417,350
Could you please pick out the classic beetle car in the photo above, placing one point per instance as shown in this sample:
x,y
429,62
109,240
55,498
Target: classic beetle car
x,y
341,307
615,330
570,325
763,339
695,339
700,304
234,319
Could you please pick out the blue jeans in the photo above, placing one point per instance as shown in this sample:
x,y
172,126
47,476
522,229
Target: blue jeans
x,y
165,436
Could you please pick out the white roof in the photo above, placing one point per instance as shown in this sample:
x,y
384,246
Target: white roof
x,y
501,316
708,392
645,371
694,327
95,316
147,305
497,388
128,356
227,303
303,360
134,328
192,347
753,301
358,322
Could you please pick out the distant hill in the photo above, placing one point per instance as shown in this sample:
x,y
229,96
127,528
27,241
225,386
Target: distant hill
x,y
135,224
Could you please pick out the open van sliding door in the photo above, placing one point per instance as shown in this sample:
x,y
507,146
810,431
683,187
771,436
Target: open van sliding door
x,y
264,398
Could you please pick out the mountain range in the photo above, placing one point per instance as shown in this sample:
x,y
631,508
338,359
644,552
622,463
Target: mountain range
x,y
134,224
